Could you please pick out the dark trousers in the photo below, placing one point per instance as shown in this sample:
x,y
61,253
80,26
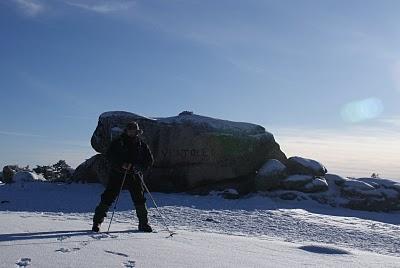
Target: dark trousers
x,y
132,184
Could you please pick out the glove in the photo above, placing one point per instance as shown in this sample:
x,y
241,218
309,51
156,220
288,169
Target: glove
x,y
137,170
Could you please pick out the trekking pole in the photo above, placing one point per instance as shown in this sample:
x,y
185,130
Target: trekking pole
x,y
155,205
115,204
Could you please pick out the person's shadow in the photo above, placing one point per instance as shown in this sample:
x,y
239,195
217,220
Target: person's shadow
x,y
59,236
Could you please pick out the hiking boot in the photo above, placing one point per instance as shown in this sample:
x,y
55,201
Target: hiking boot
x,y
145,227
141,212
96,227
100,213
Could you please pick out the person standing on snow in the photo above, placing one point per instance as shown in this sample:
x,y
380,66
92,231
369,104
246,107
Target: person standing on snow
x,y
128,153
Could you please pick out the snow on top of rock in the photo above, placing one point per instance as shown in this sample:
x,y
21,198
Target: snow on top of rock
x,y
214,123
309,163
121,114
188,117
358,185
316,183
380,181
319,181
272,166
27,176
336,178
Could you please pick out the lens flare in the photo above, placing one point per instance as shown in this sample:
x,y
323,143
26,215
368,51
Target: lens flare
x,y
362,110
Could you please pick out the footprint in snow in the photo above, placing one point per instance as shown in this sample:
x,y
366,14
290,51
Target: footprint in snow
x,y
129,264
67,250
211,220
84,243
102,236
23,262
63,237
116,253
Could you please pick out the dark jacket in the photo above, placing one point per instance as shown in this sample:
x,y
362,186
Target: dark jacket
x,y
125,149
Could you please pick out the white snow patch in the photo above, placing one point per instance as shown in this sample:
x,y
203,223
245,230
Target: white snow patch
x,y
214,123
32,239
27,176
121,114
49,224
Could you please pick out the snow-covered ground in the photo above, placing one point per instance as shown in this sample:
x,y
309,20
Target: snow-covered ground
x,y
47,225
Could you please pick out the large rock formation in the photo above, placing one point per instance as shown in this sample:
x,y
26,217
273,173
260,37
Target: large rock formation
x,y
192,150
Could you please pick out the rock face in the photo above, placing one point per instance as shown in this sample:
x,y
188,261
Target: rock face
x,y
9,172
95,169
192,150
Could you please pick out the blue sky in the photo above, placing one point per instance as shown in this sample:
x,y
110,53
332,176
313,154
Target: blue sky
x,y
319,75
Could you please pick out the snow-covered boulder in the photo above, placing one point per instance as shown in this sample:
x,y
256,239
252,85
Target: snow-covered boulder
x,y
27,176
300,165
336,179
305,183
370,194
297,182
382,183
270,175
359,189
318,184
192,150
